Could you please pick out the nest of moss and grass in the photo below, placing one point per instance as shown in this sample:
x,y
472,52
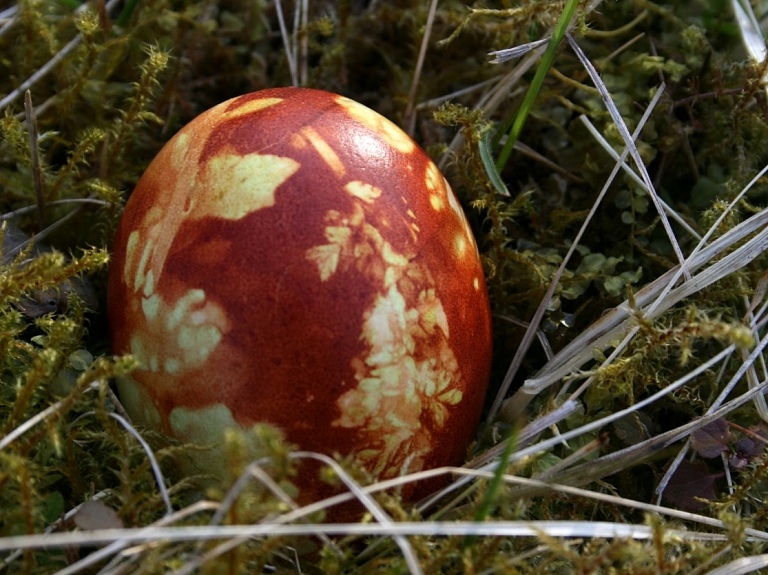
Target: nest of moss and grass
x,y
625,423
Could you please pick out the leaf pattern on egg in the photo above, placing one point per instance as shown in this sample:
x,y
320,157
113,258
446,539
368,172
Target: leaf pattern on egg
x,y
408,374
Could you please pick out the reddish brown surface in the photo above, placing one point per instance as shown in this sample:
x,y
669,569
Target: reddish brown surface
x,y
292,349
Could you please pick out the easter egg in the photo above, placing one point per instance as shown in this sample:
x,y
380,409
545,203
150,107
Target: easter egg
x,y
294,258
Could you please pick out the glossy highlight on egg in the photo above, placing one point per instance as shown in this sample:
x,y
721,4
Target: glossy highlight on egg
x,y
293,257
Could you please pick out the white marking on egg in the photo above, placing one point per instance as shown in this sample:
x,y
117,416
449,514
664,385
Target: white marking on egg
x,y
325,151
363,191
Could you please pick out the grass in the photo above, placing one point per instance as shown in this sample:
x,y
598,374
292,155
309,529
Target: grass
x,y
622,226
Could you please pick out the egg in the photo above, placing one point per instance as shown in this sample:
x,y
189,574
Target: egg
x,y
292,257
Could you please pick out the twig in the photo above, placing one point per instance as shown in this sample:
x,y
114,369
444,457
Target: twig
x,y
8,17
33,421
34,157
410,110
286,43
159,478
629,141
458,93
40,73
48,66
742,565
591,529
304,75
637,179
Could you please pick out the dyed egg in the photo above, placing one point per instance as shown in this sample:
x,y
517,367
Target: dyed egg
x,y
293,257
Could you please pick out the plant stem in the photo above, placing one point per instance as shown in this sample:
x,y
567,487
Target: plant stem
x,y
538,79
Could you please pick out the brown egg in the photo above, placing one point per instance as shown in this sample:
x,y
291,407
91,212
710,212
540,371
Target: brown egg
x,y
293,257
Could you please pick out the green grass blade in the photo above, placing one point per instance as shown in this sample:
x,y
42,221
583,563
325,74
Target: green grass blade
x,y
546,62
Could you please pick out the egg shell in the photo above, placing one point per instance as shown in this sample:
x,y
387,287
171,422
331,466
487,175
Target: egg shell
x,y
293,257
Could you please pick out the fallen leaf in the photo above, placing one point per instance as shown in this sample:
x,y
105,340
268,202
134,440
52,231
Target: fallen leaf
x,y
96,515
690,483
712,439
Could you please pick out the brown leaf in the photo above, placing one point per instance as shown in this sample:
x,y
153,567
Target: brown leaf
x,y
712,439
691,482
